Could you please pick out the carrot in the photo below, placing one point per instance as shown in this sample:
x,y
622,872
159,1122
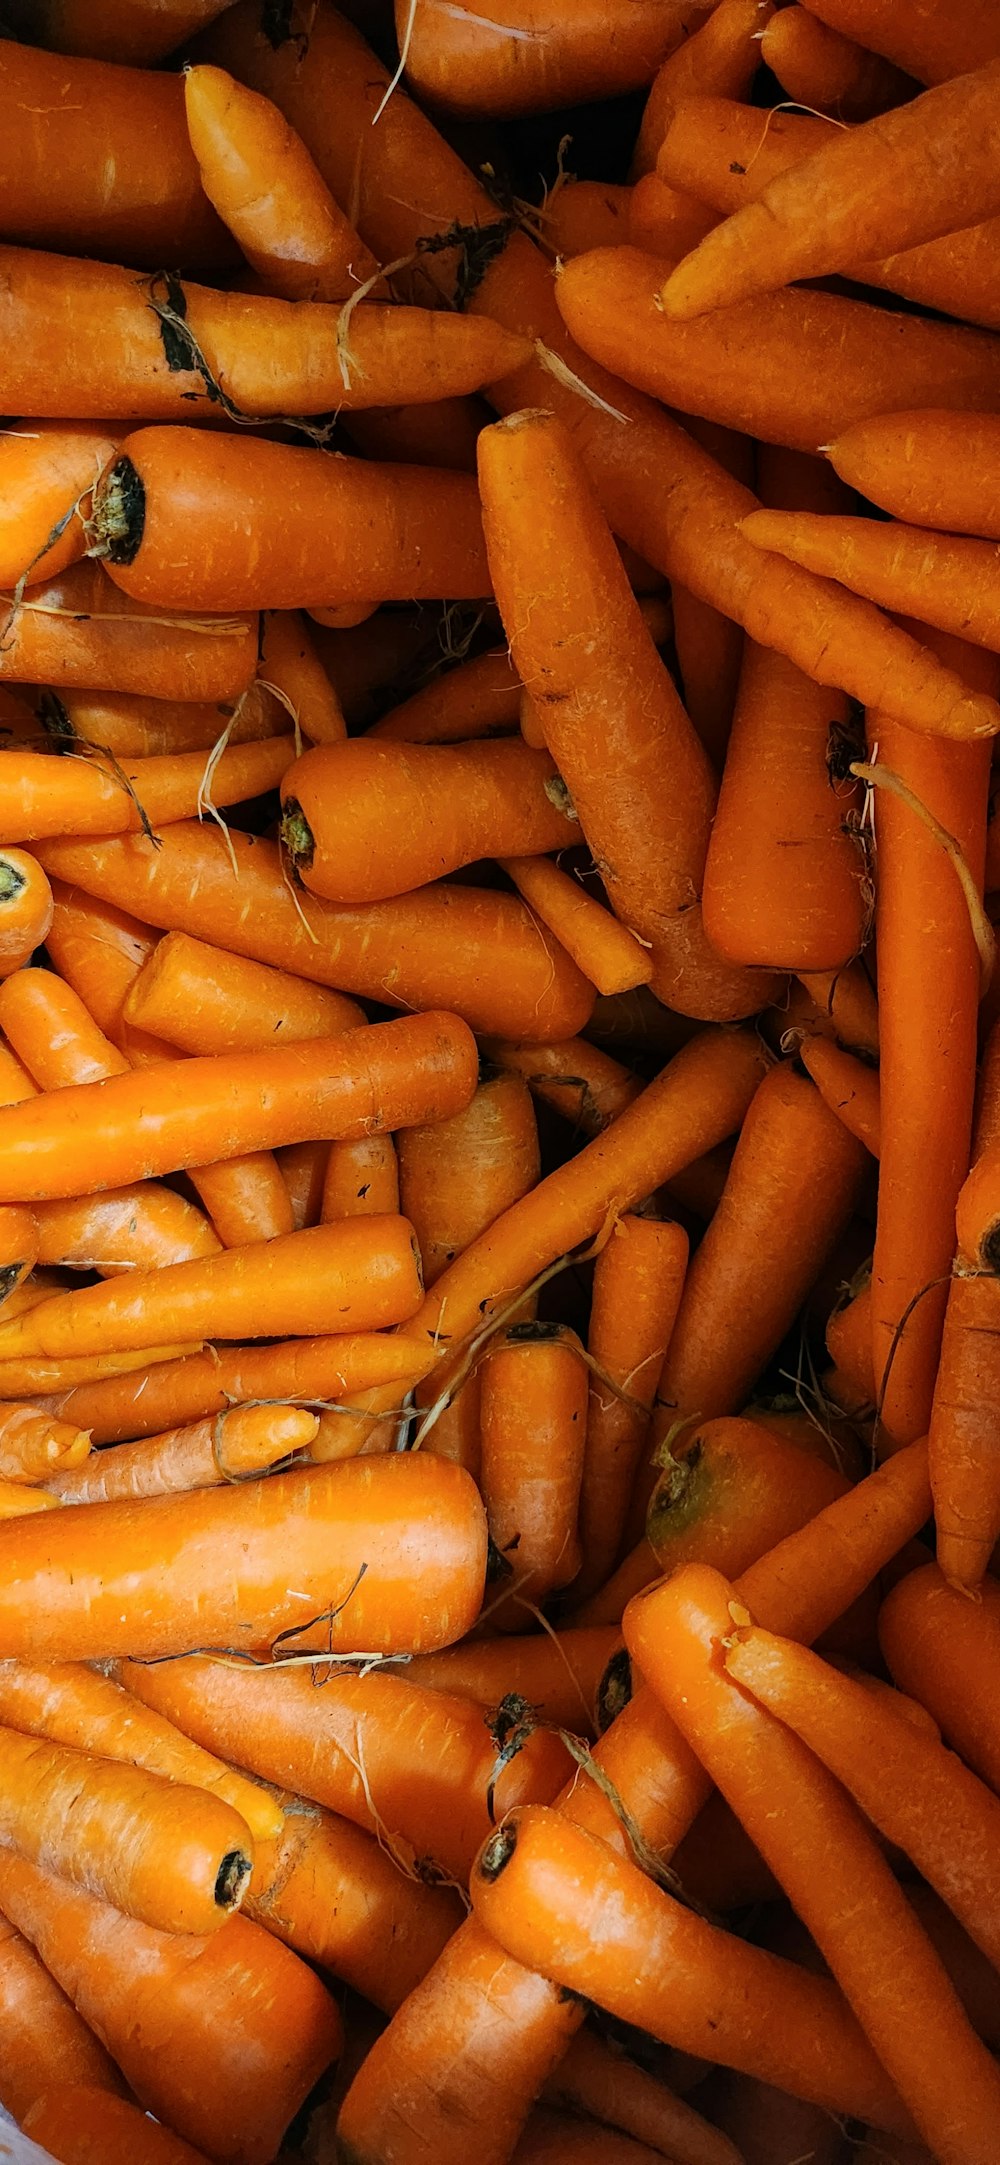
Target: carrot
x,y
927,467
947,582
601,947
963,1433
135,1126
845,1005
47,471
81,2126
819,66
73,1705
152,1577
128,29
39,1375
439,947
926,44
939,1647
19,1248
360,1179
316,1370
98,950
607,706
442,806
477,698
537,57
638,1282
98,798
232,1447
45,2041
584,214
97,160
663,221
553,2138
134,728
557,1673
440,435
16,1501
918,1794
33,1445
791,1189
928,972
291,669
620,2094
922,169
551,1891
775,2129
534,1432
720,58
416,1768
368,663
819,1847
206,1000
576,1078
846,1086
610,303
261,180
241,2028
78,630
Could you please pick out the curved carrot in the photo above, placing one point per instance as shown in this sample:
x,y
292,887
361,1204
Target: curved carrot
x,y
555,2138
847,1086
261,180
47,471
601,947
80,2126
608,705
80,630
946,581
819,66
917,1793
576,1078
940,1648
846,1006
436,948
557,1673
719,58
584,214
437,808
820,1849
45,2041
416,1768
534,1431
929,467
233,1446
34,1445
537,57
207,1000
222,2038
478,698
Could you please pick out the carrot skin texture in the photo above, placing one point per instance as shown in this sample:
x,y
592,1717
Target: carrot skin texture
x,y
80,2126
638,1283
963,1442
929,468
533,1428
47,478
146,1587
247,1440
947,581
84,800
45,2041
928,46
79,630
559,1677
847,1086
816,66
720,56
941,1649
205,999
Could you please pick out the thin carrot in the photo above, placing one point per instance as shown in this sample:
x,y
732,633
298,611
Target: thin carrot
x,y
847,1086
846,1004
720,58
45,2041
71,1704
436,808
39,1375
596,2079
207,1000
924,168
45,797
638,1282
536,58
34,1445
940,1647
947,581
551,1891
261,180
577,1079
459,1176
608,705
415,1768
241,2028
534,1432
80,2126
819,66
663,221
821,1850
917,1793
928,467
601,947
478,698
233,1446
303,1168
558,1673
80,630
134,728
556,2138
47,471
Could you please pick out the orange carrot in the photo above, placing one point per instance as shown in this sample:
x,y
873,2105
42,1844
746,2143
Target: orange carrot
x,y
847,1086
601,947
584,214
719,59
291,668
134,728
478,698
19,1248
846,1005
241,2028
33,1445
80,2126
576,1078
597,2079
47,797
663,221
129,29
48,472
818,66
233,1446
940,1647
926,44
946,581
534,1432
457,1177
16,1500
206,1000
45,2041
360,1179
931,468
537,57
303,1168
555,2138
80,630
558,1673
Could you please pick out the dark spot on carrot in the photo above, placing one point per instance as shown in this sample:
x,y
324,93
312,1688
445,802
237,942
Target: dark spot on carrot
x,y
614,1690
232,1875
497,1853
120,512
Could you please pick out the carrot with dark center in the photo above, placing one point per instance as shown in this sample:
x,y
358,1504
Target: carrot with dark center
x,y
47,471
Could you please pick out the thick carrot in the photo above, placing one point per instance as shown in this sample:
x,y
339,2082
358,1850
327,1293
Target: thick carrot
x,y
847,1086
222,2038
719,59
537,57
918,1794
638,1282
135,1126
45,2041
34,1445
153,1577
557,1673
610,302
25,908
167,347
172,1856
924,168
947,581
74,1705
206,1000
553,1893
928,467
232,1447
928,45
96,160
940,1647
45,797
128,29
819,66
577,1079
928,977
820,1849
439,947
458,1177
79,630
602,948
609,706
478,698
413,1767
337,1896
534,1432
261,180
47,472
80,2126
434,809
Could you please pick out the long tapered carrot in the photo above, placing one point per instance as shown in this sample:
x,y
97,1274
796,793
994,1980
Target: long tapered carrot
x,y
946,580
609,706
916,1792
941,1648
601,947
292,668
80,2126
536,58
558,1674
244,1441
719,59
534,1431
963,1435
579,1080
267,191
478,698
45,2041
442,806
818,66
593,1916
922,169
45,797
34,1445
25,908
80,630
825,1857
437,948
610,303
169,346
847,1086
48,472
222,2038
927,467
207,1000
928,976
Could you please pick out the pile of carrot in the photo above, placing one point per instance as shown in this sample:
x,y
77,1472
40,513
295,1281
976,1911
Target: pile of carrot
x,y
500,1082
